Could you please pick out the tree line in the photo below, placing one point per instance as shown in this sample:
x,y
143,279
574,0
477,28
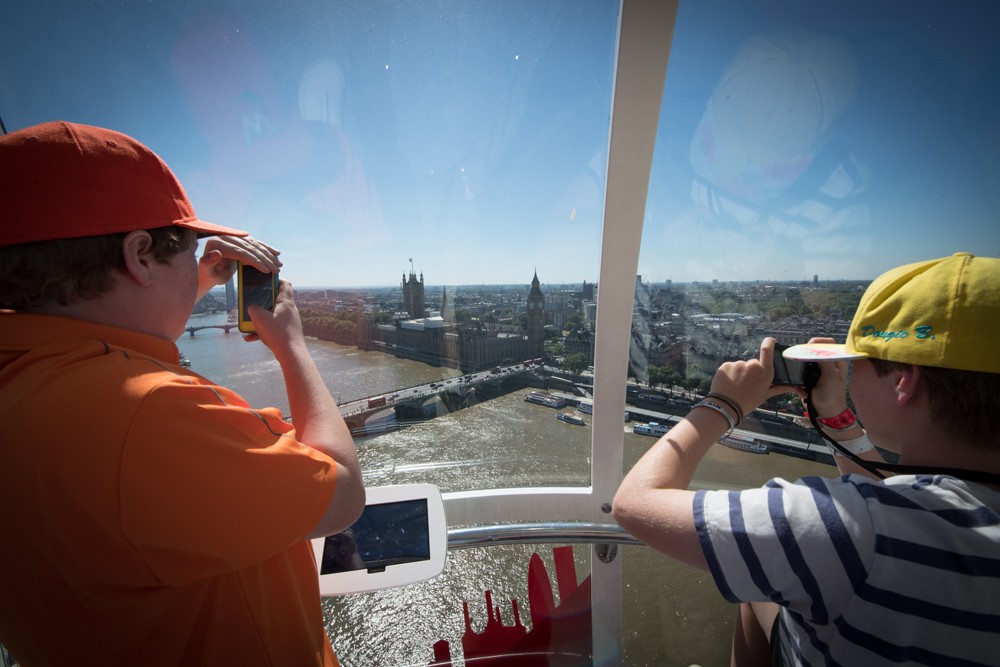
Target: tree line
x,y
336,327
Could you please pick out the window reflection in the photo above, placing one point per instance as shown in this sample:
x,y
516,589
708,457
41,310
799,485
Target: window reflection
x,y
800,141
797,145
462,145
802,150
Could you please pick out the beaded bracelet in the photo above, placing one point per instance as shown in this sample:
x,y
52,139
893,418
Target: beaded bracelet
x,y
844,420
856,445
705,403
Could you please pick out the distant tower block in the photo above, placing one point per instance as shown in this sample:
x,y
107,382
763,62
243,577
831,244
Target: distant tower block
x,y
230,295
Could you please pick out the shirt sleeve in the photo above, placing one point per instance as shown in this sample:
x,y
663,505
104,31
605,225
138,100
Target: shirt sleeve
x,y
209,485
806,546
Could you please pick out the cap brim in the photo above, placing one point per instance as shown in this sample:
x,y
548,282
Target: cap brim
x,y
820,352
210,229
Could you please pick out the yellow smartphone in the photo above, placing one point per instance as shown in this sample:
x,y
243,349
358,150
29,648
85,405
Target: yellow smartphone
x,y
254,287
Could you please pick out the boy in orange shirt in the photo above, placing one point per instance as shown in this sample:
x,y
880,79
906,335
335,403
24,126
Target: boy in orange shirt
x,y
150,516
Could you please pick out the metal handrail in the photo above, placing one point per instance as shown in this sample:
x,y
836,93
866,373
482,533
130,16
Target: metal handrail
x,y
539,533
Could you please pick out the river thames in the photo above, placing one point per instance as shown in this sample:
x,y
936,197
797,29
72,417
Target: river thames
x,y
672,614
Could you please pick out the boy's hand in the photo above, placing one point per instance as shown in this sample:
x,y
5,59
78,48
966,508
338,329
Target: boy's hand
x,y
218,259
749,382
279,327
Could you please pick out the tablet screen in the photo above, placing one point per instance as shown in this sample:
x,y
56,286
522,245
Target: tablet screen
x,y
386,534
400,538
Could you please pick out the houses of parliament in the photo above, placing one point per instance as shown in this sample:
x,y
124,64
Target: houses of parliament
x,y
436,338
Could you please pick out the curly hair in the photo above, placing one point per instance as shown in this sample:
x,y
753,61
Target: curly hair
x,y
66,270
964,402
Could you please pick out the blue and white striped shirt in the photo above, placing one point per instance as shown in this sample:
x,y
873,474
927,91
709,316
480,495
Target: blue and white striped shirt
x,y
903,571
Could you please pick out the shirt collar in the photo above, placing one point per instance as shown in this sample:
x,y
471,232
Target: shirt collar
x,y
23,331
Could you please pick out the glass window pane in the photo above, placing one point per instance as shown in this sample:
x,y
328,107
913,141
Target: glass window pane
x,y
814,143
802,150
418,164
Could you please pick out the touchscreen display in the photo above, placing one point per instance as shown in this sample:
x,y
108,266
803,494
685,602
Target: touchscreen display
x,y
386,534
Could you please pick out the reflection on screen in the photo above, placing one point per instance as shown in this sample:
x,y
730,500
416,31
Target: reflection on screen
x,y
258,288
386,534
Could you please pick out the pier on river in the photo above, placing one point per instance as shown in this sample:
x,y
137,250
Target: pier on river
x,y
413,403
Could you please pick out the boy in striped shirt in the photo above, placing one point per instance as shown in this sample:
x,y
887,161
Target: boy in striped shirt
x,y
857,570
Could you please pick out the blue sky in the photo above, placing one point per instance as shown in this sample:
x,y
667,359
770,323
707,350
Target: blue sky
x,y
471,136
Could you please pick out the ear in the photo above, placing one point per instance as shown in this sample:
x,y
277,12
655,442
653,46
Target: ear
x,y
138,257
907,383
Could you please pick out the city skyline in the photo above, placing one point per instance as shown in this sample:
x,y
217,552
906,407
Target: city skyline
x,y
434,286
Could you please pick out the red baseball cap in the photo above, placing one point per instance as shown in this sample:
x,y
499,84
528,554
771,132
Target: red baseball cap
x,y
62,180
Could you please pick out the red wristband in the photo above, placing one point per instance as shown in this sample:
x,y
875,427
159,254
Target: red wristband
x,y
844,420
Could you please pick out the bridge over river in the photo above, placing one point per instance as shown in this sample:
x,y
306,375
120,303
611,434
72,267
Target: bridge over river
x,y
225,327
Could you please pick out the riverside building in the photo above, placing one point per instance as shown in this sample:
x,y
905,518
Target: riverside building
x,y
437,339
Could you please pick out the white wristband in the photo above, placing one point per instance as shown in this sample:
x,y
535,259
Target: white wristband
x,y
705,403
857,445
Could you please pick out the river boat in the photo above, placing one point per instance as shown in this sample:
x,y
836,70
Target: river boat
x,y
588,409
546,399
570,418
743,443
651,428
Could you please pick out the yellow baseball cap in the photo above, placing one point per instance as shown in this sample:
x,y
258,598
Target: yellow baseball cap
x,y
941,312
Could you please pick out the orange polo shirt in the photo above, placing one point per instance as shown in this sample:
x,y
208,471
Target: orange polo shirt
x,y
149,517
